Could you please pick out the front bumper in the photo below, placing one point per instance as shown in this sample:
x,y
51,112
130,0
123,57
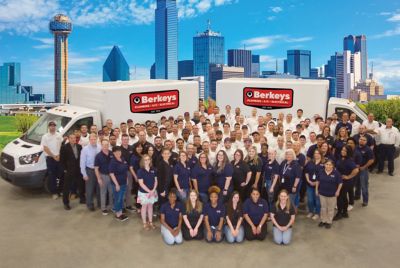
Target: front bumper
x,y
34,179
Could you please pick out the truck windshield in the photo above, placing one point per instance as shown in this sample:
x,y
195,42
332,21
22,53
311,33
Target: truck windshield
x,y
35,133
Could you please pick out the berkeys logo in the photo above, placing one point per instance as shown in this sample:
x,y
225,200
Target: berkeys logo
x,y
268,98
154,102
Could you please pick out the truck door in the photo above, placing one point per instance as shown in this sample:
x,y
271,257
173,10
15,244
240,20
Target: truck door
x,y
88,121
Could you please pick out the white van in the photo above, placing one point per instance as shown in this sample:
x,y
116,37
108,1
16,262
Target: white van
x,y
22,160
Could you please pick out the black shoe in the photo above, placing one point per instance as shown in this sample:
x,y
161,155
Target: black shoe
x,y
364,204
357,197
130,209
328,226
91,208
321,224
337,217
67,207
345,215
379,172
391,174
121,218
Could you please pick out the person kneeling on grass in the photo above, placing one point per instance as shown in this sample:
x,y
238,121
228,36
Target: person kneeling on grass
x,y
171,220
282,215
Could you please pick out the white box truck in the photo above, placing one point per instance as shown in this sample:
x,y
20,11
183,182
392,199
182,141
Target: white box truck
x,y
22,160
283,95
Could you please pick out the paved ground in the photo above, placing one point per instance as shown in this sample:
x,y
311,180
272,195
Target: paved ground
x,y
35,231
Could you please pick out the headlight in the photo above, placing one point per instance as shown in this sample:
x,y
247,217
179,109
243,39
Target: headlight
x,y
29,159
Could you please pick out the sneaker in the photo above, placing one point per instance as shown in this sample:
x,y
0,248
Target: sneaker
x,y
315,217
309,215
328,226
321,224
130,209
337,217
350,208
364,204
123,217
55,196
391,174
104,212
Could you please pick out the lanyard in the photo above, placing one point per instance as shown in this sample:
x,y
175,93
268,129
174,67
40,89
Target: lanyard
x,y
285,168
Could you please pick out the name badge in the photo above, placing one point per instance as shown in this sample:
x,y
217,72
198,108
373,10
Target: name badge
x,y
218,211
283,180
177,209
260,205
314,177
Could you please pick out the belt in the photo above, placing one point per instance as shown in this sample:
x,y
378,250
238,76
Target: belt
x,y
90,168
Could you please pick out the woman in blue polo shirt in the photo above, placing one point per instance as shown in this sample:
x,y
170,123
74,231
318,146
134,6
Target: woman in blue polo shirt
x,y
340,141
234,231
348,168
182,177
202,177
255,211
134,166
271,174
329,183
214,213
171,220
223,172
241,173
326,151
118,169
255,164
311,171
282,216
193,218
147,194
290,174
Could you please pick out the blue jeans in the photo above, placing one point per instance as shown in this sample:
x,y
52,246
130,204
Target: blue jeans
x,y
182,196
282,237
213,236
119,197
364,178
268,184
313,203
168,238
230,238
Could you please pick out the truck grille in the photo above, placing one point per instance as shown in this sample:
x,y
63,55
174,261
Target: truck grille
x,y
7,161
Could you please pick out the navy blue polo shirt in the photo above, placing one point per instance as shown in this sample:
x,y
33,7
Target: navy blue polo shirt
x,y
328,184
366,154
102,161
301,159
312,170
120,170
311,150
271,169
288,174
220,176
264,160
214,214
341,124
329,156
256,210
357,157
148,177
345,166
370,139
183,175
338,145
203,177
135,162
192,161
171,214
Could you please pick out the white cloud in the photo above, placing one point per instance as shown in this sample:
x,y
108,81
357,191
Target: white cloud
x,y
269,62
271,18
385,13
388,33
264,42
203,5
387,72
276,9
394,17
44,43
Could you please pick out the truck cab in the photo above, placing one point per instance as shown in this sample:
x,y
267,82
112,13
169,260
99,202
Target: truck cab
x,y
340,106
22,162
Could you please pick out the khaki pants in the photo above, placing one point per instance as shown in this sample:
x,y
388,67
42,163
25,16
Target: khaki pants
x,y
328,205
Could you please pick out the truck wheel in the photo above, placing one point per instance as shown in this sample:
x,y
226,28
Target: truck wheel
x,y
46,183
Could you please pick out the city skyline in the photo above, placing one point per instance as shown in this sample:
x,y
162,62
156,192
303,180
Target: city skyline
x,y
266,28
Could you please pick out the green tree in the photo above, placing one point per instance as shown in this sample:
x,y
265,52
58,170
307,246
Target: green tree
x,y
25,121
383,109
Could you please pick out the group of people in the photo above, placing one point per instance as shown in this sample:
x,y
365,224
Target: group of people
x,y
221,175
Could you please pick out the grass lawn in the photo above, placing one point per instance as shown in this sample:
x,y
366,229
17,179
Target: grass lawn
x,y
8,130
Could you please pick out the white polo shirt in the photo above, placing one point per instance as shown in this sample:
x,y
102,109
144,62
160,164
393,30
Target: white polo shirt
x,y
53,142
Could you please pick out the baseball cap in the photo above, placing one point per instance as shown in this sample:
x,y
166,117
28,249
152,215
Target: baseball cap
x,y
52,123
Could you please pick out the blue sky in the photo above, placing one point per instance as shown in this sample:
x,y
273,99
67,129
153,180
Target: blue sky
x,y
269,27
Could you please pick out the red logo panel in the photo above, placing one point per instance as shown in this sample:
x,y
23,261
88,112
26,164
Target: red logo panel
x,y
154,102
268,98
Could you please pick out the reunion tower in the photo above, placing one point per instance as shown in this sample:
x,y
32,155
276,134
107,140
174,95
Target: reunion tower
x,y
61,27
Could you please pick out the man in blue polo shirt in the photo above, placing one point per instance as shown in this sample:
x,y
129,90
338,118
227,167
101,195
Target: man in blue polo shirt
x,y
367,160
101,164
344,123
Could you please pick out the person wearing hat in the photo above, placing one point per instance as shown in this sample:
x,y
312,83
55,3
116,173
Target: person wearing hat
x,y
256,140
51,144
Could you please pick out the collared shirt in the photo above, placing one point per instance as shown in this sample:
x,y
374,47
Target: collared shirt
x,y
389,136
53,142
120,170
203,176
183,173
88,155
149,178
255,211
328,183
214,214
75,150
102,161
172,214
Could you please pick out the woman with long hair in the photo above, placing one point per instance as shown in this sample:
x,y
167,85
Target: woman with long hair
x,y
182,176
340,141
147,194
234,231
348,168
214,213
134,166
171,220
282,216
326,151
193,218
255,211
329,183
241,173
202,177
255,165
311,171
326,132
164,176
223,171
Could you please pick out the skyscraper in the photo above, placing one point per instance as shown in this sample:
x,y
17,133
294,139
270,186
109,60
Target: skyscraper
x,y
115,68
348,43
255,66
348,73
360,45
153,71
299,63
61,27
166,40
185,68
314,73
339,69
240,58
208,48
219,72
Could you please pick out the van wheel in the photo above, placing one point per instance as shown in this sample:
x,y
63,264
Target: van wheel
x,y
46,183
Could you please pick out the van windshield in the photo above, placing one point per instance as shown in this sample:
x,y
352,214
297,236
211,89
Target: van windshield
x,y
35,133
